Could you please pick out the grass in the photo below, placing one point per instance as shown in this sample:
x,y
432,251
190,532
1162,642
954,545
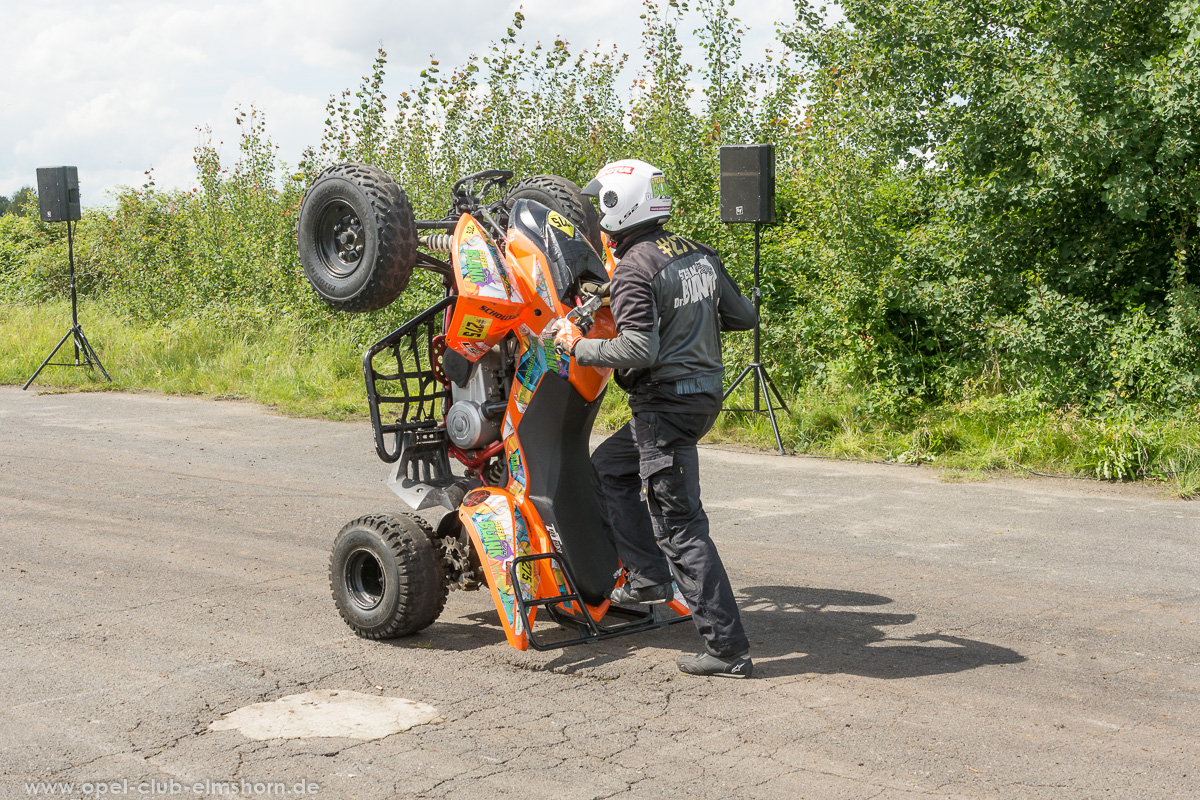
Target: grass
x,y
281,364
983,436
316,373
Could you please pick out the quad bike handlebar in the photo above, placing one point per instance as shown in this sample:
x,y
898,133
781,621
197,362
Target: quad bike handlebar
x,y
468,196
465,187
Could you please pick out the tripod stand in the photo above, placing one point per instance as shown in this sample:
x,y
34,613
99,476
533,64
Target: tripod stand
x,y
82,345
761,379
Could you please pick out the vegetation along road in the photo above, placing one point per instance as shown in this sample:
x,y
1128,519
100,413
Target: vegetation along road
x,y
165,564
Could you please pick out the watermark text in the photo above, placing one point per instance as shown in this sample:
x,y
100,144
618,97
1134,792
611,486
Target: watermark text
x,y
172,787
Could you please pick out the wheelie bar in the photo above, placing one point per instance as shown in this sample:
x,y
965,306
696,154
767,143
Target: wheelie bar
x,y
589,630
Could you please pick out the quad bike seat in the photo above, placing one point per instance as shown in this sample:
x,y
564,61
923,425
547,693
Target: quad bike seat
x,y
554,435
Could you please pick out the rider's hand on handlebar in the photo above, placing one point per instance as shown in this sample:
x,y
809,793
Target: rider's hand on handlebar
x,y
566,336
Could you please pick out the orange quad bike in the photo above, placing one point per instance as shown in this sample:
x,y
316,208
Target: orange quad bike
x,y
475,376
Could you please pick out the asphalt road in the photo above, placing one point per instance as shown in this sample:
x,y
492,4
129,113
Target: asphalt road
x,y
164,563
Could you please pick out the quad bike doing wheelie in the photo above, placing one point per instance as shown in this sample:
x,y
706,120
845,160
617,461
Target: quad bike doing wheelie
x,y
476,377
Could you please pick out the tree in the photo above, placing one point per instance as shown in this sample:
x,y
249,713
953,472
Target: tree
x,y
1056,143
21,202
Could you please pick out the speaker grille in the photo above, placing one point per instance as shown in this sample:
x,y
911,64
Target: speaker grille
x,y
58,194
748,183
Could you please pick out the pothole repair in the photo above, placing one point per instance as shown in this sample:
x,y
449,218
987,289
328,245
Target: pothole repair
x,y
327,713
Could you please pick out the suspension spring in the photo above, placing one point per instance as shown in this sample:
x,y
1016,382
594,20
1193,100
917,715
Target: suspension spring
x,y
437,242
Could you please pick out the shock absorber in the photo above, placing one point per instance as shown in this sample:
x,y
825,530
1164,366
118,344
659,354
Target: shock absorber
x,y
437,242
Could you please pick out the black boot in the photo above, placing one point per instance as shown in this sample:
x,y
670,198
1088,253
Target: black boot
x,y
739,666
627,595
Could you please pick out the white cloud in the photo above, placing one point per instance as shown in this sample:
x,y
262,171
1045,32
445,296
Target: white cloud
x,y
116,87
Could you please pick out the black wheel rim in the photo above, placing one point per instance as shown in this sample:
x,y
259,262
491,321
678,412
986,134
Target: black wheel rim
x,y
340,239
365,581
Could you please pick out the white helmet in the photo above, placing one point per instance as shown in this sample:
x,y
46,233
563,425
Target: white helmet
x,y
631,193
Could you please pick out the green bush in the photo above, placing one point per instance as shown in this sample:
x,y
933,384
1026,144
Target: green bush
x,y
1012,193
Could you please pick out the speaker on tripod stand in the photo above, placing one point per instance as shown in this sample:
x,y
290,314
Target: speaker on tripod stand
x,y
748,195
58,201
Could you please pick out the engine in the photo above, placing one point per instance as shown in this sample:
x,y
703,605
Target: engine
x,y
478,402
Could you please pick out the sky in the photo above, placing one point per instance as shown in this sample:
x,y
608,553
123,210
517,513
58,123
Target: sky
x,y
115,88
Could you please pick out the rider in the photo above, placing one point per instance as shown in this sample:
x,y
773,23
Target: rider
x,y
671,298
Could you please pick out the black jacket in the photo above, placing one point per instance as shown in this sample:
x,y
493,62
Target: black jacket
x,y
671,298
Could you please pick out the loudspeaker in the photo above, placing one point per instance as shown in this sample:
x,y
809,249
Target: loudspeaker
x,y
748,183
58,194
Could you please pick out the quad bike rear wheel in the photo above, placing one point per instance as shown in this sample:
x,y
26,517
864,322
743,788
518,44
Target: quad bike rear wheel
x,y
387,576
563,196
357,237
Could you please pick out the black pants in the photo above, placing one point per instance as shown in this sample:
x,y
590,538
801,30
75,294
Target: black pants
x,y
648,480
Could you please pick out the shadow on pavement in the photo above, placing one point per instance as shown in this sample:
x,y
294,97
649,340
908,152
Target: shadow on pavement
x,y
459,636
795,630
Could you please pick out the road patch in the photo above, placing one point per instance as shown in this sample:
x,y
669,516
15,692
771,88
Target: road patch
x,y
327,713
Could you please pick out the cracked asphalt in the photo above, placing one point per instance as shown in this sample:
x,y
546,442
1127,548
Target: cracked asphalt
x,y
164,563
